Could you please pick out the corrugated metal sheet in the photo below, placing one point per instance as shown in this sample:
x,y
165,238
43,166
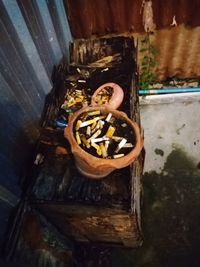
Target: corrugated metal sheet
x,y
179,52
178,45
94,17
34,38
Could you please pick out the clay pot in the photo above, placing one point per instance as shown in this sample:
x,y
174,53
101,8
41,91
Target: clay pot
x,y
116,98
94,167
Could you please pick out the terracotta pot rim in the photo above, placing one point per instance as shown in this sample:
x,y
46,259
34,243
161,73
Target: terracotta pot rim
x,y
87,156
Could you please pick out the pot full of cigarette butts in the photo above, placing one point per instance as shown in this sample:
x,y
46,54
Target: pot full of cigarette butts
x,y
108,94
102,140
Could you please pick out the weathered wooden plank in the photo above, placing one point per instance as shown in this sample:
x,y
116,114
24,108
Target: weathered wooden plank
x,y
92,224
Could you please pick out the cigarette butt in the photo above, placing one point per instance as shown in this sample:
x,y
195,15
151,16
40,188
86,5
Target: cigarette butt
x,y
64,105
78,91
39,159
117,138
97,140
86,123
127,145
93,125
101,124
88,131
93,113
110,131
78,124
106,69
120,145
105,98
82,81
78,139
96,134
71,103
85,142
108,117
103,150
96,128
107,145
101,117
97,147
79,99
118,156
99,151
84,116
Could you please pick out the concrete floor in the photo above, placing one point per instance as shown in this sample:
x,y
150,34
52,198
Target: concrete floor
x,y
170,122
171,181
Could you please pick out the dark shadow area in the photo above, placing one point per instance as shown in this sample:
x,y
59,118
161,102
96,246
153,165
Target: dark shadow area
x,y
170,217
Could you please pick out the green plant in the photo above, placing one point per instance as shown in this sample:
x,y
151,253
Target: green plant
x,y
147,71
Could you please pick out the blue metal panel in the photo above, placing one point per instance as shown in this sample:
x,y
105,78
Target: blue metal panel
x,y
26,42
49,28
34,38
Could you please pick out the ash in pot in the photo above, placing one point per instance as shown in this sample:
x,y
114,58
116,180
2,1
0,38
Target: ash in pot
x,y
103,135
